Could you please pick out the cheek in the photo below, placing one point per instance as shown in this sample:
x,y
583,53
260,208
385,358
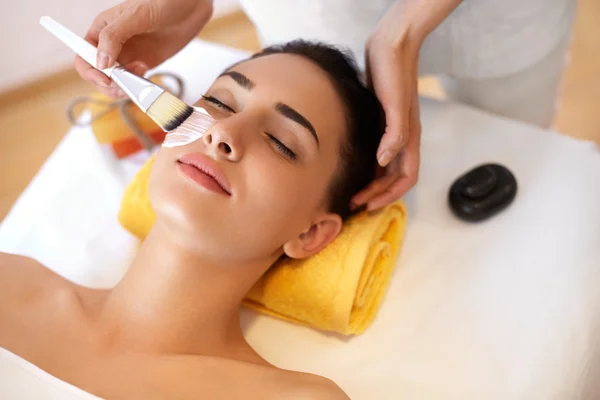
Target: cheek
x,y
157,178
283,196
162,188
171,197
161,174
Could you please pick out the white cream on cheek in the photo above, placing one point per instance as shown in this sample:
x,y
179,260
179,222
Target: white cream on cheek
x,y
192,129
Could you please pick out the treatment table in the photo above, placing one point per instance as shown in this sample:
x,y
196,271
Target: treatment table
x,y
508,308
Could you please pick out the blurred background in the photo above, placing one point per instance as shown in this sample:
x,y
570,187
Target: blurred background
x,y
38,80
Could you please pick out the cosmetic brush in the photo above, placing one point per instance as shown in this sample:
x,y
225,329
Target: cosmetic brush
x,y
162,107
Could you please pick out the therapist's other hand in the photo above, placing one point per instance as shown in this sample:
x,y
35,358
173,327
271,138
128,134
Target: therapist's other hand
x,y
141,34
392,71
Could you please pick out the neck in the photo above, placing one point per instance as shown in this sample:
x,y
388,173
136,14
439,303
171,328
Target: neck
x,y
173,300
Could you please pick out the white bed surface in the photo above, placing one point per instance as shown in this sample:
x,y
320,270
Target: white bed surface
x,y
505,309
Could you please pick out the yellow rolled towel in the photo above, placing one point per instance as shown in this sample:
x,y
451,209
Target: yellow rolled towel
x,y
339,289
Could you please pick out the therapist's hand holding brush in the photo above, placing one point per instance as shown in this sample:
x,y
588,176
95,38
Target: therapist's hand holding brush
x,y
141,34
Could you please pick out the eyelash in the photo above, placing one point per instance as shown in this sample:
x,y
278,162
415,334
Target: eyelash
x,y
283,148
218,103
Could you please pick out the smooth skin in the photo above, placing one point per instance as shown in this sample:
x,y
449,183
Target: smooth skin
x,y
140,34
171,326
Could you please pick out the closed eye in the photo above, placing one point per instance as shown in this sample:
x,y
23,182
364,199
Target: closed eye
x,y
282,147
218,103
286,151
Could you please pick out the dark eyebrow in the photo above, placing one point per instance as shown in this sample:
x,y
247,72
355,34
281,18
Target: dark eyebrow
x,y
280,107
295,116
241,80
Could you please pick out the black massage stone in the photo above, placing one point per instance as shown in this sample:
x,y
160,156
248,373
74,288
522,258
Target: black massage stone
x,y
482,192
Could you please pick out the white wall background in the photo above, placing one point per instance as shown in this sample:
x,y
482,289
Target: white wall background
x,y
29,52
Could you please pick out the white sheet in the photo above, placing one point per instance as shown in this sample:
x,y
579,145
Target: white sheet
x,y
505,309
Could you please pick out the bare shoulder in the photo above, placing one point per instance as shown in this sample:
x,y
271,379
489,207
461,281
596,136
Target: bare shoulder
x,y
315,387
235,379
15,267
23,279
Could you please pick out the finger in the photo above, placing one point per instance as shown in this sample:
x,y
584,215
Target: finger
x,y
374,187
389,147
137,67
113,90
375,194
372,193
85,70
110,92
132,21
392,193
384,178
120,94
402,118
396,106
395,191
90,74
96,77
99,23
415,118
397,94
410,167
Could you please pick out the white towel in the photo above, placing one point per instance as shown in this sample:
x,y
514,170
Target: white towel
x,y
506,309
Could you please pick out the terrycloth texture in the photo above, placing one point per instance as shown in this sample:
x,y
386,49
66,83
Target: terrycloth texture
x,y
339,289
136,214
447,328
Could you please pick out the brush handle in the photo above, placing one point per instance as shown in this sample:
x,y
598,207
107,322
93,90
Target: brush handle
x,y
141,91
80,46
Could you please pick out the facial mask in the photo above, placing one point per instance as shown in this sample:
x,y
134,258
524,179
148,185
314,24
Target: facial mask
x,y
192,129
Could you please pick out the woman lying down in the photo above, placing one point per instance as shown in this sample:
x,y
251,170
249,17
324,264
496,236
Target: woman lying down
x,y
295,138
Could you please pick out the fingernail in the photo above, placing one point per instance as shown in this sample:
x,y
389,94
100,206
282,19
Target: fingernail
x,y
385,157
371,207
141,69
358,200
102,60
99,82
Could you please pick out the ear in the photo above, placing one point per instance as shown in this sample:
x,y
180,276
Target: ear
x,y
320,234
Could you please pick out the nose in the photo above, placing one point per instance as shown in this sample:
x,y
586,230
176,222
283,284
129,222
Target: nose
x,y
223,143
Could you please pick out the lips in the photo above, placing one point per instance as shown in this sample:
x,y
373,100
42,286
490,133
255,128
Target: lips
x,y
205,172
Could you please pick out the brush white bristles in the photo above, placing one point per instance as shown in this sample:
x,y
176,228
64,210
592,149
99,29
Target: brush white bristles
x,y
168,111
192,129
165,109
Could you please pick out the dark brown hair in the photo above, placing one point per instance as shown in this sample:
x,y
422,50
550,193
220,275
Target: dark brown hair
x,y
365,118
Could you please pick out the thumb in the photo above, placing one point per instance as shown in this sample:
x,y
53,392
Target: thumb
x,y
392,89
396,105
113,36
390,145
398,112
